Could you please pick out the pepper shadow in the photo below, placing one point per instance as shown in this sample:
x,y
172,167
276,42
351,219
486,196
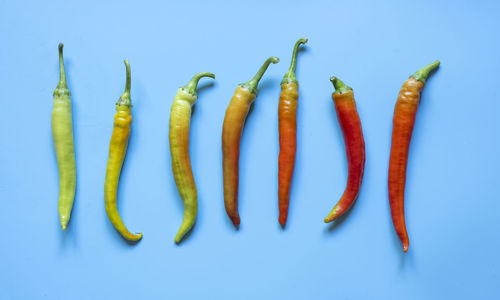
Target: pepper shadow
x,y
68,236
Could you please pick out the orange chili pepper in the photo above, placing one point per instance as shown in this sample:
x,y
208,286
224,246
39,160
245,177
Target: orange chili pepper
x,y
402,127
348,117
231,133
287,116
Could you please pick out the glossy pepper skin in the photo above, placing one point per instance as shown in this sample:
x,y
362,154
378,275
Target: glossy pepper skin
x,y
402,128
62,133
180,117
349,121
117,151
287,118
231,133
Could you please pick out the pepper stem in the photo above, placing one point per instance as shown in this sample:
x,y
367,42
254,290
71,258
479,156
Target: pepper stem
x,y
191,86
252,83
125,97
290,75
62,72
421,75
340,87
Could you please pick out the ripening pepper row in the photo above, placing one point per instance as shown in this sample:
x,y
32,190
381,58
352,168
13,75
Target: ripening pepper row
x,y
234,120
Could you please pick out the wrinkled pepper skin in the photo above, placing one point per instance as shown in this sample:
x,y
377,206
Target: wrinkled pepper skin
x,y
349,121
231,133
180,117
287,118
402,128
117,151
62,134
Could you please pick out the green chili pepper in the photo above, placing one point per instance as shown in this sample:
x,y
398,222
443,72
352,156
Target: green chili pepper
x,y
62,133
180,117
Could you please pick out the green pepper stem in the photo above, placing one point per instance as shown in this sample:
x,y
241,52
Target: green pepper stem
x,y
125,97
252,83
421,75
191,86
62,71
340,87
290,75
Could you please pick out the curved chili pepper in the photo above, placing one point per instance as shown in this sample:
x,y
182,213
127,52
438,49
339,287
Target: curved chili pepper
x,y
287,118
348,117
402,127
180,117
117,151
62,133
231,133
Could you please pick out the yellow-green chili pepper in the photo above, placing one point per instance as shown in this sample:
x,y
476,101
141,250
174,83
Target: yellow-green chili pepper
x,y
117,151
62,133
180,117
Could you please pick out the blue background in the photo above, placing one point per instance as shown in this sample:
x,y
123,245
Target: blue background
x,y
452,206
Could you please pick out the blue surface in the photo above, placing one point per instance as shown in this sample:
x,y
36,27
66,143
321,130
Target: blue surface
x,y
452,205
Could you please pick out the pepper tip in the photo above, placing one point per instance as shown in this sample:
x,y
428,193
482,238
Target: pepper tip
x,y
282,221
330,218
236,221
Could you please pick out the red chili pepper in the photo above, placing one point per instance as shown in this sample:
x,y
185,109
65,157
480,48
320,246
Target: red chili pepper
x,y
402,127
354,146
231,133
287,115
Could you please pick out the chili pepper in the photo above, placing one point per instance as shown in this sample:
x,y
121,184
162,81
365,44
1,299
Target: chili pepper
x,y
287,118
231,133
62,133
348,117
402,127
180,117
117,151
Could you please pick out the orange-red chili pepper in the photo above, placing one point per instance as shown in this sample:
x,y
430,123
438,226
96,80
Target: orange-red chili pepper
x,y
231,133
287,116
350,124
402,127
